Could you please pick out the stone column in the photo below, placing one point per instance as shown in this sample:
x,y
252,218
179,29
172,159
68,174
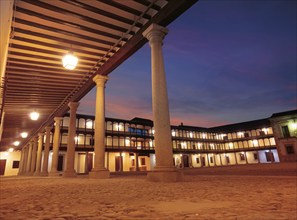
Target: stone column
x,y
87,163
21,162
164,170
34,155
56,143
70,155
39,152
24,167
44,171
99,171
28,166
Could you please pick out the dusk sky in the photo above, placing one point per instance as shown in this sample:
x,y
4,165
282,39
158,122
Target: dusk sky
x,y
225,61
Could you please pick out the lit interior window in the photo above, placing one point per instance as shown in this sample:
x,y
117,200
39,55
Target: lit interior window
x,y
151,143
203,135
240,134
127,142
173,133
265,130
89,124
191,135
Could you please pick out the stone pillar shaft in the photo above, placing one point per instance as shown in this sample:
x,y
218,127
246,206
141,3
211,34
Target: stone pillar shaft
x,y
24,167
39,152
34,155
46,151
28,167
21,162
163,141
99,169
56,143
69,171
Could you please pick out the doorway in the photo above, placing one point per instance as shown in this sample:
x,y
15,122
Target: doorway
x,y
118,163
60,162
185,160
2,166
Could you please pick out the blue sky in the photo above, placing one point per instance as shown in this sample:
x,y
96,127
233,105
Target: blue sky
x,y
225,61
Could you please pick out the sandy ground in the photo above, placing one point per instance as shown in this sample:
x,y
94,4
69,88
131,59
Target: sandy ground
x,y
200,196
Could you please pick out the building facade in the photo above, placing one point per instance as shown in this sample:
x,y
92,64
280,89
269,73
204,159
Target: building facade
x,y
129,145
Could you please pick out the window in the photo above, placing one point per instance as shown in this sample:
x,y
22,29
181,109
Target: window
x,y
133,162
242,157
197,160
285,131
246,134
255,156
290,149
262,133
15,164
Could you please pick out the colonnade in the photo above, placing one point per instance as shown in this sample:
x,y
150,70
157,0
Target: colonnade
x,y
164,170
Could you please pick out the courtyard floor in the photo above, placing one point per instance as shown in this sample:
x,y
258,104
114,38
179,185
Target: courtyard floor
x,y
229,193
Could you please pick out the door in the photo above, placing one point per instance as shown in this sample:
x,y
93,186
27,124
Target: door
x,y
2,166
60,162
90,162
118,163
186,160
203,161
269,156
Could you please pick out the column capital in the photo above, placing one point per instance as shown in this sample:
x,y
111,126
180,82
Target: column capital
x,y
73,105
155,32
35,139
58,119
100,80
48,128
40,134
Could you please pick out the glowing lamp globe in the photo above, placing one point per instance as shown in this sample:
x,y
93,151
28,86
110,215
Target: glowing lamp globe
x,y
24,134
69,61
16,143
34,116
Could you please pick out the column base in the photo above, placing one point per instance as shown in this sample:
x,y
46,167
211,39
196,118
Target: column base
x,y
69,174
99,174
44,174
55,173
36,174
165,174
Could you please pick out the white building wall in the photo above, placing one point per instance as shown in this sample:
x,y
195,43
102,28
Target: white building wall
x,y
10,157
